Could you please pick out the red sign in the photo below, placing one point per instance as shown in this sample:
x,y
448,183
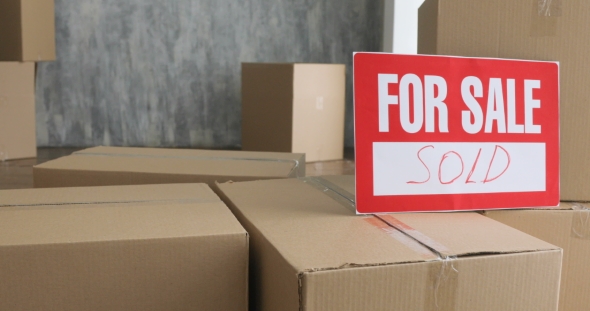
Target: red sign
x,y
440,133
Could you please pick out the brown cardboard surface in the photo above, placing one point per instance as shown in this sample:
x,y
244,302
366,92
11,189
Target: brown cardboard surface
x,y
521,30
568,228
17,111
267,121
100,166
27,30
309,251
295,108
154,247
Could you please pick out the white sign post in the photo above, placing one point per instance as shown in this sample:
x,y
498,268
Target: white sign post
x,y
400,26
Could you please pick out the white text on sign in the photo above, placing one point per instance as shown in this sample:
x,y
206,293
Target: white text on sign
x,y
428,95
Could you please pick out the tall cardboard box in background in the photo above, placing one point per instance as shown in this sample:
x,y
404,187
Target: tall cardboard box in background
x,y
537,30
294,108
17,111
107,166
567,226
309,251
124,248
27,30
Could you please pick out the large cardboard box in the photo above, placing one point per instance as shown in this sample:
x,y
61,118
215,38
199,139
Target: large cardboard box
x,y
294,108
102,166
27,30
538,30
17,111
309,251
567,226
127,248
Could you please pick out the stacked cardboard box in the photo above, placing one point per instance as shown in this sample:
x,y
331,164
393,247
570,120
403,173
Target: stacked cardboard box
x,y
17,111
27,30
27,34
294,108
152,247
102,166
567,226
537,30
309,251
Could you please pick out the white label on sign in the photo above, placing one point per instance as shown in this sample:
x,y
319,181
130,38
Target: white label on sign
x,y
455,168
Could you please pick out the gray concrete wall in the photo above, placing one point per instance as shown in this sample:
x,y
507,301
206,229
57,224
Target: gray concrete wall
x,y
167,73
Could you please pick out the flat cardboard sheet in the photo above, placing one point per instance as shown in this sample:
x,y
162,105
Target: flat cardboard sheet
x,y
126,166
310,252
153,247
567,226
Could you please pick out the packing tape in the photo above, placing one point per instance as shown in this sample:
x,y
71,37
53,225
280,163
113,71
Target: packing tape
x,y
581,221
294,169
340,195
544,17
443,274
549,8
3,153
424,252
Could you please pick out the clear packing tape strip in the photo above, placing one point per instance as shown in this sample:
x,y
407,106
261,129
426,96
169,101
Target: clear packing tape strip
x,y
443,275
544,17
581,221
549,8
3,153
294,170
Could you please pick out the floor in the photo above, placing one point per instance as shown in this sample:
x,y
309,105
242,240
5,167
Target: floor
x,y
18,174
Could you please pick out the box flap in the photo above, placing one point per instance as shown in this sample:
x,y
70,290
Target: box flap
x,y
91,214
316,232
182,162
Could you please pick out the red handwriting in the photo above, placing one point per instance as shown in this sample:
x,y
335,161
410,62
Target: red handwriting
x,y
456,154
419,158
444,157
489,167
469,181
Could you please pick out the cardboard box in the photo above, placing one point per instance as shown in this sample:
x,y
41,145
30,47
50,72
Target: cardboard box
x,y
309,251
17,111
132,248
294,108
27,30
567,226
537,30
102,166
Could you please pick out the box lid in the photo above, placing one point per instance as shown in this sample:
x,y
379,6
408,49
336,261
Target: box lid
x,y
93,214
182,162
319,230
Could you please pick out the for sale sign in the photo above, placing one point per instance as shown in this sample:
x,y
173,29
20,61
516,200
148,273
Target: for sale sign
x,y
439,133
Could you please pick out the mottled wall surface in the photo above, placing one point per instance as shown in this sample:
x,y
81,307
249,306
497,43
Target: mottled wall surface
x,y
167,73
